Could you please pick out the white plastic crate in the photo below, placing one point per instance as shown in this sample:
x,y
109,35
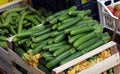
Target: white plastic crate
x,y
15,3
107,18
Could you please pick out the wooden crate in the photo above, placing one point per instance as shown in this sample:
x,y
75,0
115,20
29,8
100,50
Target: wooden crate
x,y
19,61
5,56
98,68
5,67
15,3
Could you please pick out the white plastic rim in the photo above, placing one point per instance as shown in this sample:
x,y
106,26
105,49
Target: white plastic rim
x,y
105,7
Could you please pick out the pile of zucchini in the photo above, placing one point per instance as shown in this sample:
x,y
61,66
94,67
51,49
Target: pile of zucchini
x,y
63,36
17,20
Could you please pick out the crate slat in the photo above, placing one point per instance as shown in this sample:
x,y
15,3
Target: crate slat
x,y
10,5
18,60
4,55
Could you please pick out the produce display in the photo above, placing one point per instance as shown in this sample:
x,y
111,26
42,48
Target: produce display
x,y
115,10
90,62
62,37
18,20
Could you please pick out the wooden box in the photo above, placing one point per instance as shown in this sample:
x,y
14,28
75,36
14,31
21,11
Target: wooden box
x,y
98,68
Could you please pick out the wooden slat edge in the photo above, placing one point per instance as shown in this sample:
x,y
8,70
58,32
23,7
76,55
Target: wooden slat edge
x,y
9,4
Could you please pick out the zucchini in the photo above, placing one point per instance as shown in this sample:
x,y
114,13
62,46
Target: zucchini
x,y
49,58
53,21
44,69
42,61
54,33
14,10
32,19
95,45
3,44
23,41
46,54
54,45
57,59
61,50
83,39
52,49
68,24
87,43
3,38
19,51
83,29
67,20
55,26
63,17
74,38
20,24
39,48
41,38
29,42
42,32
71,57
105,38
59,37
50,41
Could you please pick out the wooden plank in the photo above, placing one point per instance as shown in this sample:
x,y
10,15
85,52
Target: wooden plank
x,y
10,5
5,66
5,56
83,57
18,60
15,71
103,65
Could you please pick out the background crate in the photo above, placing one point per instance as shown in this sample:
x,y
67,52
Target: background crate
x,y
51,5
10,5
108,20
99,67
91,4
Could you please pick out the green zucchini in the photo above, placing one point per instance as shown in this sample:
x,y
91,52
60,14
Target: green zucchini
x,y
3,38
3,44
46,54
59,37
83,39
23,41
32,19
68,24
61,50
19,51
41,38
83,29
39,48
55,26
52,49
42,32
53,45
20,24
14,10
95,45
57,59
87,43
44,69
71,57
74,38
49,58
50,41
